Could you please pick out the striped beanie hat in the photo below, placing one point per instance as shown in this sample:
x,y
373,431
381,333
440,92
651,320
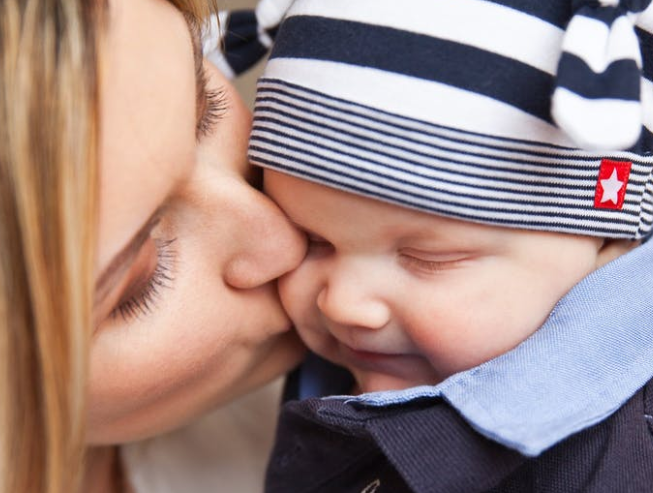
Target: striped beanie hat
x,y
533,114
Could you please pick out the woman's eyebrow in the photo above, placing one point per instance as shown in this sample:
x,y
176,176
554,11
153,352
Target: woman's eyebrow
x,y
198,59
123,259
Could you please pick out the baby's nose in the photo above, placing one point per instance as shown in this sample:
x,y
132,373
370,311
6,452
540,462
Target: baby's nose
x,y
348,299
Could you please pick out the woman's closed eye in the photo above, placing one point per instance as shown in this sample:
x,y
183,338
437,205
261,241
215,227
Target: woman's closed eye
x,y
154,271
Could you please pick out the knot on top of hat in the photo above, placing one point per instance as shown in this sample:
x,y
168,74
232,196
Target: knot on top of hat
x,y
597,99
236,40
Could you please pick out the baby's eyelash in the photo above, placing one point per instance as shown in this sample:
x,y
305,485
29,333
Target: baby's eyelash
x,y
214,107
143,302
426,266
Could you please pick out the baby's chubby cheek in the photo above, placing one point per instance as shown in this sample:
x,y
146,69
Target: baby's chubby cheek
x,y
299,298
295,298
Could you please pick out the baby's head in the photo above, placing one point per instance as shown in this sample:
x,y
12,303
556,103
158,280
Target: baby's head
x,y
447,211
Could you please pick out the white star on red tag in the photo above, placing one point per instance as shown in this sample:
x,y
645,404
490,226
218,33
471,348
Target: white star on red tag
x,y
611,188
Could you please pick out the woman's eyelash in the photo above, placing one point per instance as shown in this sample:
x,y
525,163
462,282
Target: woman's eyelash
x,y
144,301
214,110
214,107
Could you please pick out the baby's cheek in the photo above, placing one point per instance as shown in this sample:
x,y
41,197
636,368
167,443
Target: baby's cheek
x,y
443,336
296,292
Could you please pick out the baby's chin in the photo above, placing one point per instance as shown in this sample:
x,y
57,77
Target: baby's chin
x,y
378,372
381,382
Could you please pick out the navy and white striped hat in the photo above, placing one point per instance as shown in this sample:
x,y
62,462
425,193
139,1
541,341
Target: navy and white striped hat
x,y
522,113
235,40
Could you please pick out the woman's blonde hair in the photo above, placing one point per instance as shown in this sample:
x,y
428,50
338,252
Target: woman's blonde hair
x,y
49,118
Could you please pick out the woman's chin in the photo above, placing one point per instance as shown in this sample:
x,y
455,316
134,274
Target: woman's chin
x,y
197,397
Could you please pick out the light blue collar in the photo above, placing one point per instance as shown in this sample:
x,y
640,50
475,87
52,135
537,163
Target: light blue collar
x,y
591,355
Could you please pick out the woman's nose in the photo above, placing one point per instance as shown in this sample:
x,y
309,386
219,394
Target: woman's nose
x,y
269,247
351,299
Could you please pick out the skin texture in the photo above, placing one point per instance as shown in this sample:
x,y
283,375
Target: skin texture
x,y
403,298
215,329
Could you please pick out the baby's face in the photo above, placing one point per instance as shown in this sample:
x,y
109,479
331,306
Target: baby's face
x,y
404,298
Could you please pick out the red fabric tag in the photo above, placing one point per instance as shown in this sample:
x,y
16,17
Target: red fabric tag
x,y
611,184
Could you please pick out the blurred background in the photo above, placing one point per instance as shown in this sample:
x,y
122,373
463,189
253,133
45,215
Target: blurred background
x,y
246,84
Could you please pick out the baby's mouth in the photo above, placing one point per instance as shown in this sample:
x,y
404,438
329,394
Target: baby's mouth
x,y
401,367
370,360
